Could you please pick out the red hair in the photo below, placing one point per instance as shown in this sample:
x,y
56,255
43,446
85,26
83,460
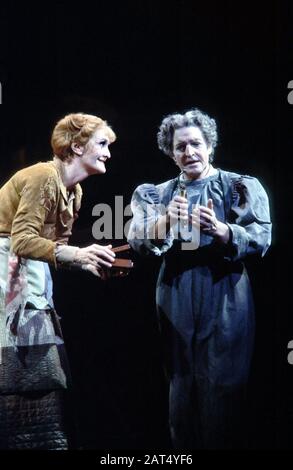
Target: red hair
x,y
77,128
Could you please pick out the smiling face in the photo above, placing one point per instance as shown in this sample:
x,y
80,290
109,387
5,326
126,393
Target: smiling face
x,y
190,151
96,152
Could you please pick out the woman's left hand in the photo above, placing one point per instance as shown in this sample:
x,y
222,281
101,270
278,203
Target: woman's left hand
x,y
205,218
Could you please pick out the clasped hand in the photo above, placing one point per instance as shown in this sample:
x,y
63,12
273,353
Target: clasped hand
x,y
202,217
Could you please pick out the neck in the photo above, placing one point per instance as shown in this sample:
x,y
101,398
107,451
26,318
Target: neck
x,y
71,172
207,171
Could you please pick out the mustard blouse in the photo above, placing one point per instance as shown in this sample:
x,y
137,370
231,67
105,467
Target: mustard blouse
x,y
37,212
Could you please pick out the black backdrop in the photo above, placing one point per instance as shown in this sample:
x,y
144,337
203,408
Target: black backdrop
x,y
132,63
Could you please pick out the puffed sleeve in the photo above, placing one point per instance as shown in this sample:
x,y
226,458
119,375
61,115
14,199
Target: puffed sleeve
x,y
147,208
250,230
38,197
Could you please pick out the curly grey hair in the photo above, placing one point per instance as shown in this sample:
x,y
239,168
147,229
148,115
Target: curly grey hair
x,y
193,117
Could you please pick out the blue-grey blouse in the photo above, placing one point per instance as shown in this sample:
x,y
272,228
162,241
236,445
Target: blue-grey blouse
x,y
204,298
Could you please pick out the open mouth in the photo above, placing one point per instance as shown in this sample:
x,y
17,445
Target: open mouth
x,y
192,162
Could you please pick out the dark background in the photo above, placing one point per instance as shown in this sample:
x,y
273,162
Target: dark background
x,y
132,63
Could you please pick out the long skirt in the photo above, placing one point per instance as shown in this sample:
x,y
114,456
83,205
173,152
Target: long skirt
x,y
206,315
33,420
34,372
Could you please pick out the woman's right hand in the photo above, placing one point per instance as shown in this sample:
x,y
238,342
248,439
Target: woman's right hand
x,y
95,257
178,210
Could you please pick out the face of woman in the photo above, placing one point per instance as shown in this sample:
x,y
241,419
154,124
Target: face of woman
x,y
190,152
96,153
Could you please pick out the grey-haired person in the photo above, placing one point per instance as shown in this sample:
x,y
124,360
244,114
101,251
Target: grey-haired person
x,y
204,297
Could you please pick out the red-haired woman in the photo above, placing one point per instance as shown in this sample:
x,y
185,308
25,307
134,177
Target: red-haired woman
x,y
37,208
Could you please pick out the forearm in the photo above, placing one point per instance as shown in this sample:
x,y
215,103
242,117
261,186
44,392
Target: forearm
x,y
66,255
252,239
222,233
